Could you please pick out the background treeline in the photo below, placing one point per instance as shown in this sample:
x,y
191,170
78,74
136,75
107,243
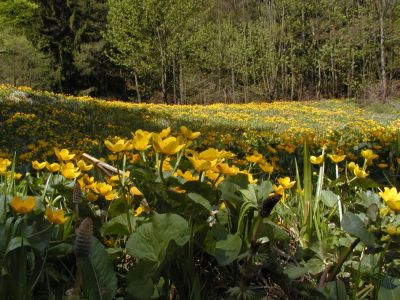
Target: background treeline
x,y
203,51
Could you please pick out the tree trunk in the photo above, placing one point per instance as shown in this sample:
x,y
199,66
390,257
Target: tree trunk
x,y
383,63
139,99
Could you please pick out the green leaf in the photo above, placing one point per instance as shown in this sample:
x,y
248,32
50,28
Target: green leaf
x,y
99,279
329,198
139,280
389,289
263,190
200,200
151,240
355,226
272,231
229,193
118,207
17,242
335,290
117,226
294,272
315,266
225,247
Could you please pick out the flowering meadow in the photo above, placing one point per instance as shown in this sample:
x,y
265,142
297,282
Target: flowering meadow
x,y
111,200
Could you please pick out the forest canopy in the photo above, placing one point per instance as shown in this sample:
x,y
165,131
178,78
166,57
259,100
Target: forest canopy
x,y
188,51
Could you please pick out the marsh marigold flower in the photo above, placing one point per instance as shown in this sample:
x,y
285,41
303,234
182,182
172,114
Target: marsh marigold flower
x,y
391,198
55,216
69,171
141,140
63,154
83,166
359,172
54,167
316,160
168,146
369,155
39,166
286,183
227,170
23,206
119,146
187,133
335,158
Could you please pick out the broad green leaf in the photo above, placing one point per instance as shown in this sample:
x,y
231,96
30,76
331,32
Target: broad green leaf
x,y
118,225
294,272
200,200
225,247
315,266
99,279
263,190
151,240
335,290
355,226
389,289
17,242
139,280
229,193
118,207
329,198
272,231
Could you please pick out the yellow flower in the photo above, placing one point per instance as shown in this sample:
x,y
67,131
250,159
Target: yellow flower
x,y
54,167
391,198
188,176
110,196
211,154
120,145
369,155
39,166
382,165
17,176
271,149
351,166
103,188
83,166
165,132
91,197
335,158
225,169
286,183
384,211
141,209
141,140
168,146
187,133
278,189
86,182
201,164
222,206
166,165
391,230
255,157
135,191
23,206
360,173
266,167
55,216
112,157
4,163
316,160
69,171
64,154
